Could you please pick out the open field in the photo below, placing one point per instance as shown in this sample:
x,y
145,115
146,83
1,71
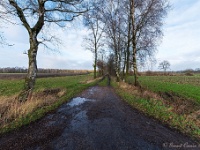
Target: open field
x,y
183,86
49,93
40,75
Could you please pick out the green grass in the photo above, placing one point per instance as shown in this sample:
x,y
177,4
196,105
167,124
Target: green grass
x,y
61,82
183,86
157,109
104,82
72,84
10,87
192,80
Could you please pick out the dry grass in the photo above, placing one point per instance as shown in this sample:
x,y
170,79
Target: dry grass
x,y
195,116
11,109
90,80
176,104
93,80
137,91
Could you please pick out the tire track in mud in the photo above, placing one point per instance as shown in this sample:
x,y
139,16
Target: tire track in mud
x,y
96,120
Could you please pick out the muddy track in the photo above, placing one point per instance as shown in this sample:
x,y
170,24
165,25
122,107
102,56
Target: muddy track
x,y
96,120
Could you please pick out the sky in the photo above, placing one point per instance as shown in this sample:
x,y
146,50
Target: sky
x,y
180,44
181,41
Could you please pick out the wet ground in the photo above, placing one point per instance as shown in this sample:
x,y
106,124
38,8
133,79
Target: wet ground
x,y
96,120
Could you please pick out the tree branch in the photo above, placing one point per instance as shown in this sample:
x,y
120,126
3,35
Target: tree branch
x,y
20,15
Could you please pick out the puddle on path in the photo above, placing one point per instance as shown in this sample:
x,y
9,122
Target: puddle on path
x,y
92,90
78,101
67,110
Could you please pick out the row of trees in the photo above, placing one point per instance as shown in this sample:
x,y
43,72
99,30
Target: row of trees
x,y
40,70
130,30
108,67
13,70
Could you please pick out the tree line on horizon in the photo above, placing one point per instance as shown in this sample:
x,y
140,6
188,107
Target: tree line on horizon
x,y
40,70
129,30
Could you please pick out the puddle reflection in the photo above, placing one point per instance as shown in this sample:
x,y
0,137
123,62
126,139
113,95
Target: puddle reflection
x,y
78,101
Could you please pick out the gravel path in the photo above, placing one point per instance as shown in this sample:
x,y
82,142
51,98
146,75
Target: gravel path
x,y
96,120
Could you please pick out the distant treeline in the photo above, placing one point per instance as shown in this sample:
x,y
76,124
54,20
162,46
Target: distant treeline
x,y
40,70
197,70
187,72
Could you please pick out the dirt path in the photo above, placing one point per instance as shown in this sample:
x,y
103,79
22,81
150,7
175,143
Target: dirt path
x,y
96,120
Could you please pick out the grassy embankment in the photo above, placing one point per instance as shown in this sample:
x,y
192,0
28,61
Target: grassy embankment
x,y
184,86
173,100
48,95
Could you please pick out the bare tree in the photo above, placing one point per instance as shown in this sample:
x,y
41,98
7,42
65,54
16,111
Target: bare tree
x,y
133,27
164,65
34,15
93,41
147,20
129,37
113,17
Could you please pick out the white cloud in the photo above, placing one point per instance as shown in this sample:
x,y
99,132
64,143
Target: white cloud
x,y
183,10
71,55
16,34
181,36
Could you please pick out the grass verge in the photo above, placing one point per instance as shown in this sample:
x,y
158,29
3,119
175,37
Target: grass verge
x,y
48,95
103,82
152,105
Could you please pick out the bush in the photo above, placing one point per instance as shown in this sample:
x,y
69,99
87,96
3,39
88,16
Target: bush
x,y
189,74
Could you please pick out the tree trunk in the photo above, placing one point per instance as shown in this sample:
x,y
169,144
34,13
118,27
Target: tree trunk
x,y
124,66
127,62
117,70
128,48
102,65
32,70
134,44
95,69
95,61
135,67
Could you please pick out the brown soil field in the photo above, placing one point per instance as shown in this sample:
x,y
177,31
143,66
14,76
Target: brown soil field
x,y
39,75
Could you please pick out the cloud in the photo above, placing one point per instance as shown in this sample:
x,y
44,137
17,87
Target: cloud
x,y
181,36
189,64
12,57
183,10
16,34
55,61
70,55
